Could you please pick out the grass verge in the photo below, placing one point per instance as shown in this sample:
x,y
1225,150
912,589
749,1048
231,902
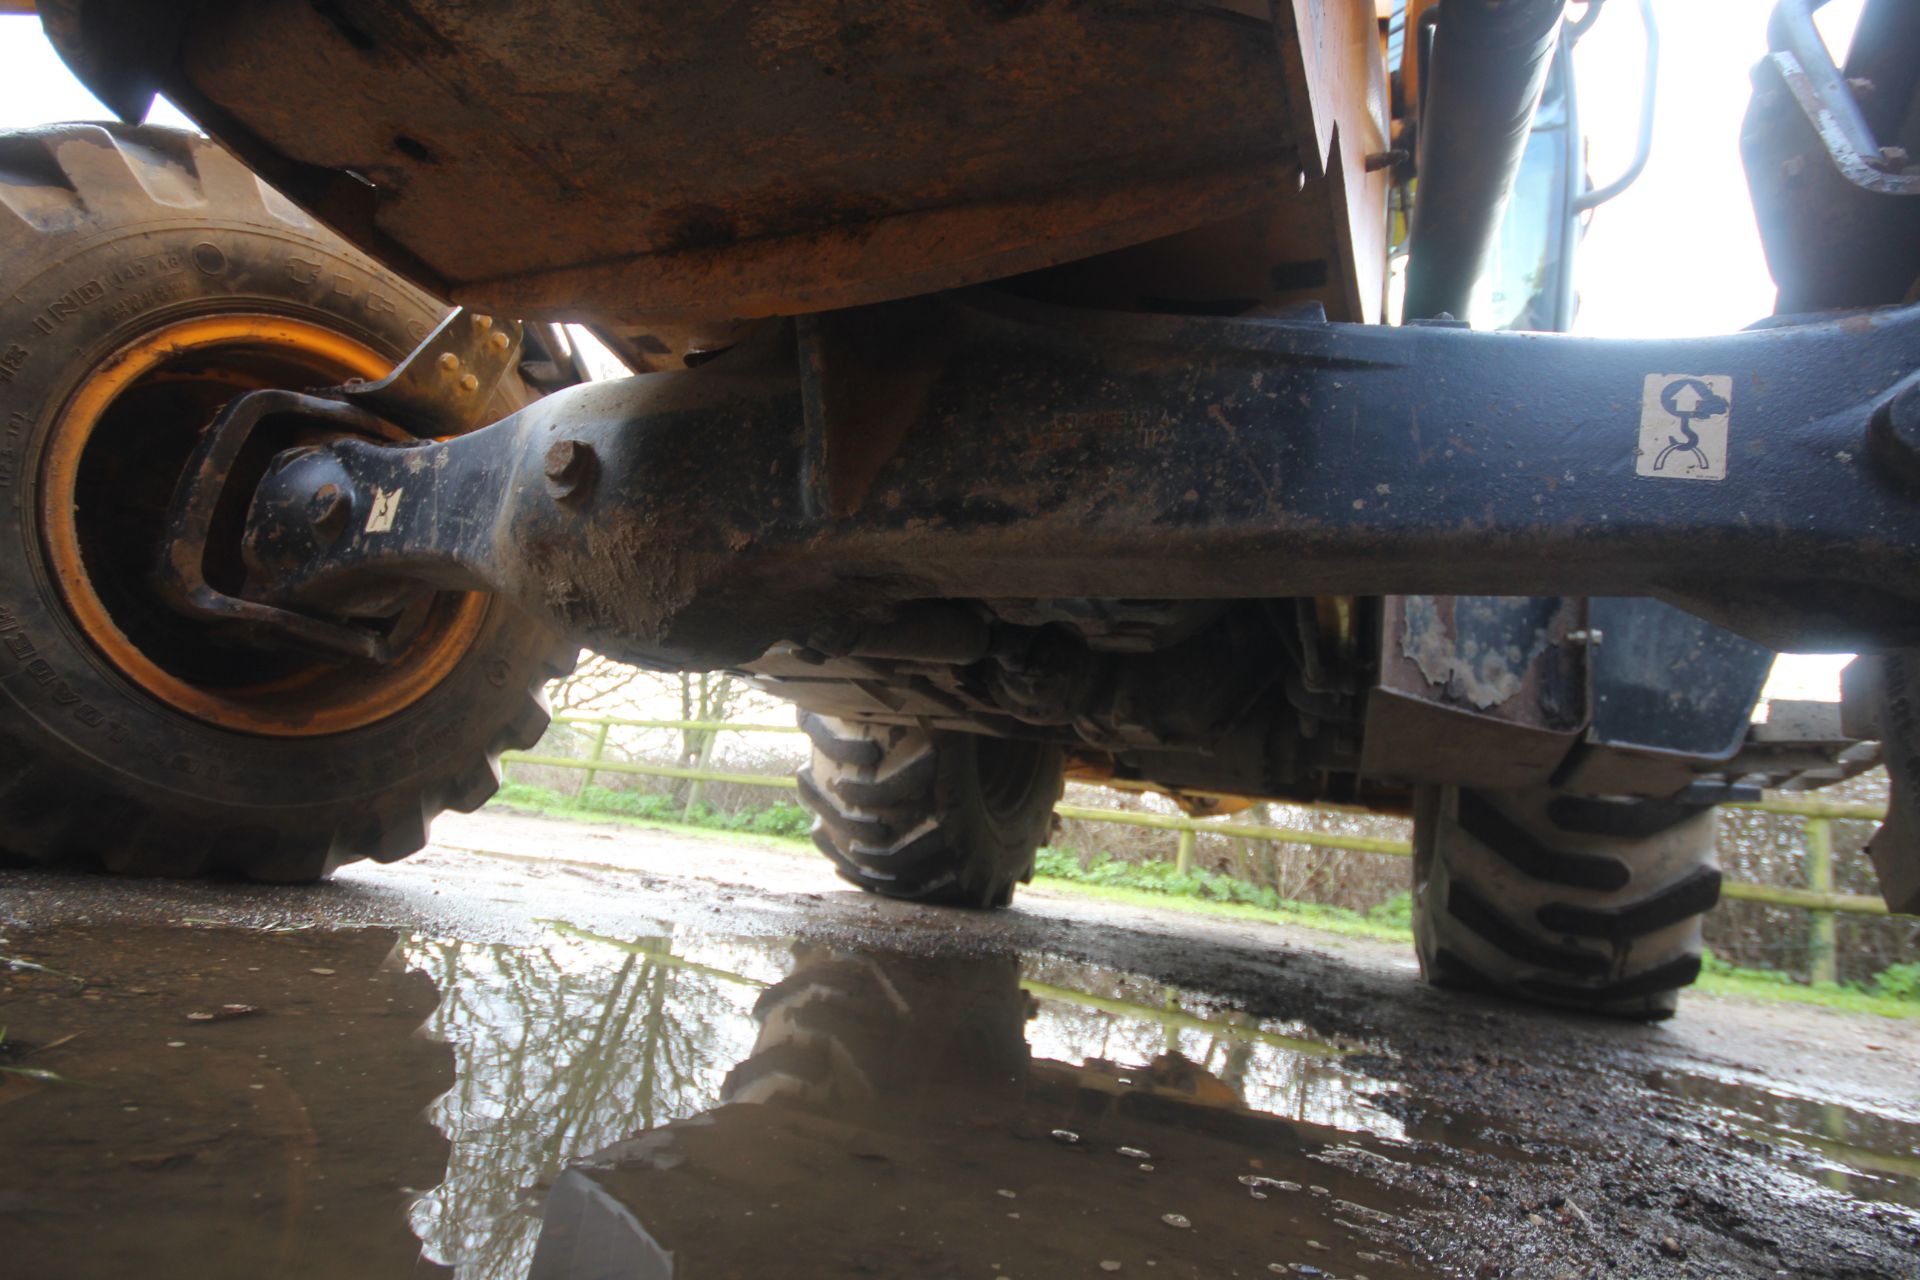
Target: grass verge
x,y
1162,884
516,798
1336,920
1719,978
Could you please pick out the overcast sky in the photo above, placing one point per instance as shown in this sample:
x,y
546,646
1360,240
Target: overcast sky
x,y
1676,255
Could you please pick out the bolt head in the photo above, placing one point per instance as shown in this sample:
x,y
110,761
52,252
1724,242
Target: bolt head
x,y
449,361
570,467
562,457
328,510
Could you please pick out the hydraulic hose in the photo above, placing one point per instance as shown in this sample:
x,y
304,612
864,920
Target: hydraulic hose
x,y
1483,83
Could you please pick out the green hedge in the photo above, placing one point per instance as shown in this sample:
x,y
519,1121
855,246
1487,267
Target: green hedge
x,y
1899,982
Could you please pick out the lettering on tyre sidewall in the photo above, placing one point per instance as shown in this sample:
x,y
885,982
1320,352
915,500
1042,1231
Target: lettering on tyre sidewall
x,y
24,656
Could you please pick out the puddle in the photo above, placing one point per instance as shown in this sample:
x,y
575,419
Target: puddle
x,y
730,1107
1862,1154
213,1103
352,1104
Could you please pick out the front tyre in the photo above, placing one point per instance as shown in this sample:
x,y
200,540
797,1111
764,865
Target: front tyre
x,y
151,278
1575,901
948,818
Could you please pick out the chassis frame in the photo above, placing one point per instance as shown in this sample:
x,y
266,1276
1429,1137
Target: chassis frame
x,y
853,473
976,446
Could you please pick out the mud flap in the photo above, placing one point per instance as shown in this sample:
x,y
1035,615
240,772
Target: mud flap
x,y
1486,692
1880,698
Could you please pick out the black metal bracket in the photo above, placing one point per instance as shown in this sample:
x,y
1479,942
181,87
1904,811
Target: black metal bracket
x,y
442,388
444,385
181,577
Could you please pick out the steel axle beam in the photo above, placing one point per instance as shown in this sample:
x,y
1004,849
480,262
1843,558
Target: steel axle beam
x,y
975,446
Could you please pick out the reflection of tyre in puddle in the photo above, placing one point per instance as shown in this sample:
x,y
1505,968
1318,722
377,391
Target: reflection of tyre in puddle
x,y
881,1035
890,1120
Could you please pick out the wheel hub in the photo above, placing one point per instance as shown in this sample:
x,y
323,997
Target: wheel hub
x,y
113,459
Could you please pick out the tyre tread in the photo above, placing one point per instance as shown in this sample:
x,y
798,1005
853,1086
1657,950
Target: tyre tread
x,y
1531,856
1610,926
1691,895
893,819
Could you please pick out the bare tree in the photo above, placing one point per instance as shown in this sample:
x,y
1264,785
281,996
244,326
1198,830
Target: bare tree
x,y
602,686
708,698
598,683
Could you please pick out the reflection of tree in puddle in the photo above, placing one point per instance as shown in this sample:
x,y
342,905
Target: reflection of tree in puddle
x,y
568,1048
560,1050
1088,1014
1856,1152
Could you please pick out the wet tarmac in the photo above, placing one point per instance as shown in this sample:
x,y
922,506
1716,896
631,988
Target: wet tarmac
x,y
586,1069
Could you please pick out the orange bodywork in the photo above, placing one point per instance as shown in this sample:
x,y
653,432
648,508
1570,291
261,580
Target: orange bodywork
x,y
680,166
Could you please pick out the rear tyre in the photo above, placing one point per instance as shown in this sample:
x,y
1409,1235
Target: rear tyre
x,y
1566,900
151,278
949,818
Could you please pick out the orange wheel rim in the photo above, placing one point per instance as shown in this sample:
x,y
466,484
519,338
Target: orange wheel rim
x,y
190,360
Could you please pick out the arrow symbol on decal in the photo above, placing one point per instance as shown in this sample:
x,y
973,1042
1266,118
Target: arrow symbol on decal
x,y
1688,399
